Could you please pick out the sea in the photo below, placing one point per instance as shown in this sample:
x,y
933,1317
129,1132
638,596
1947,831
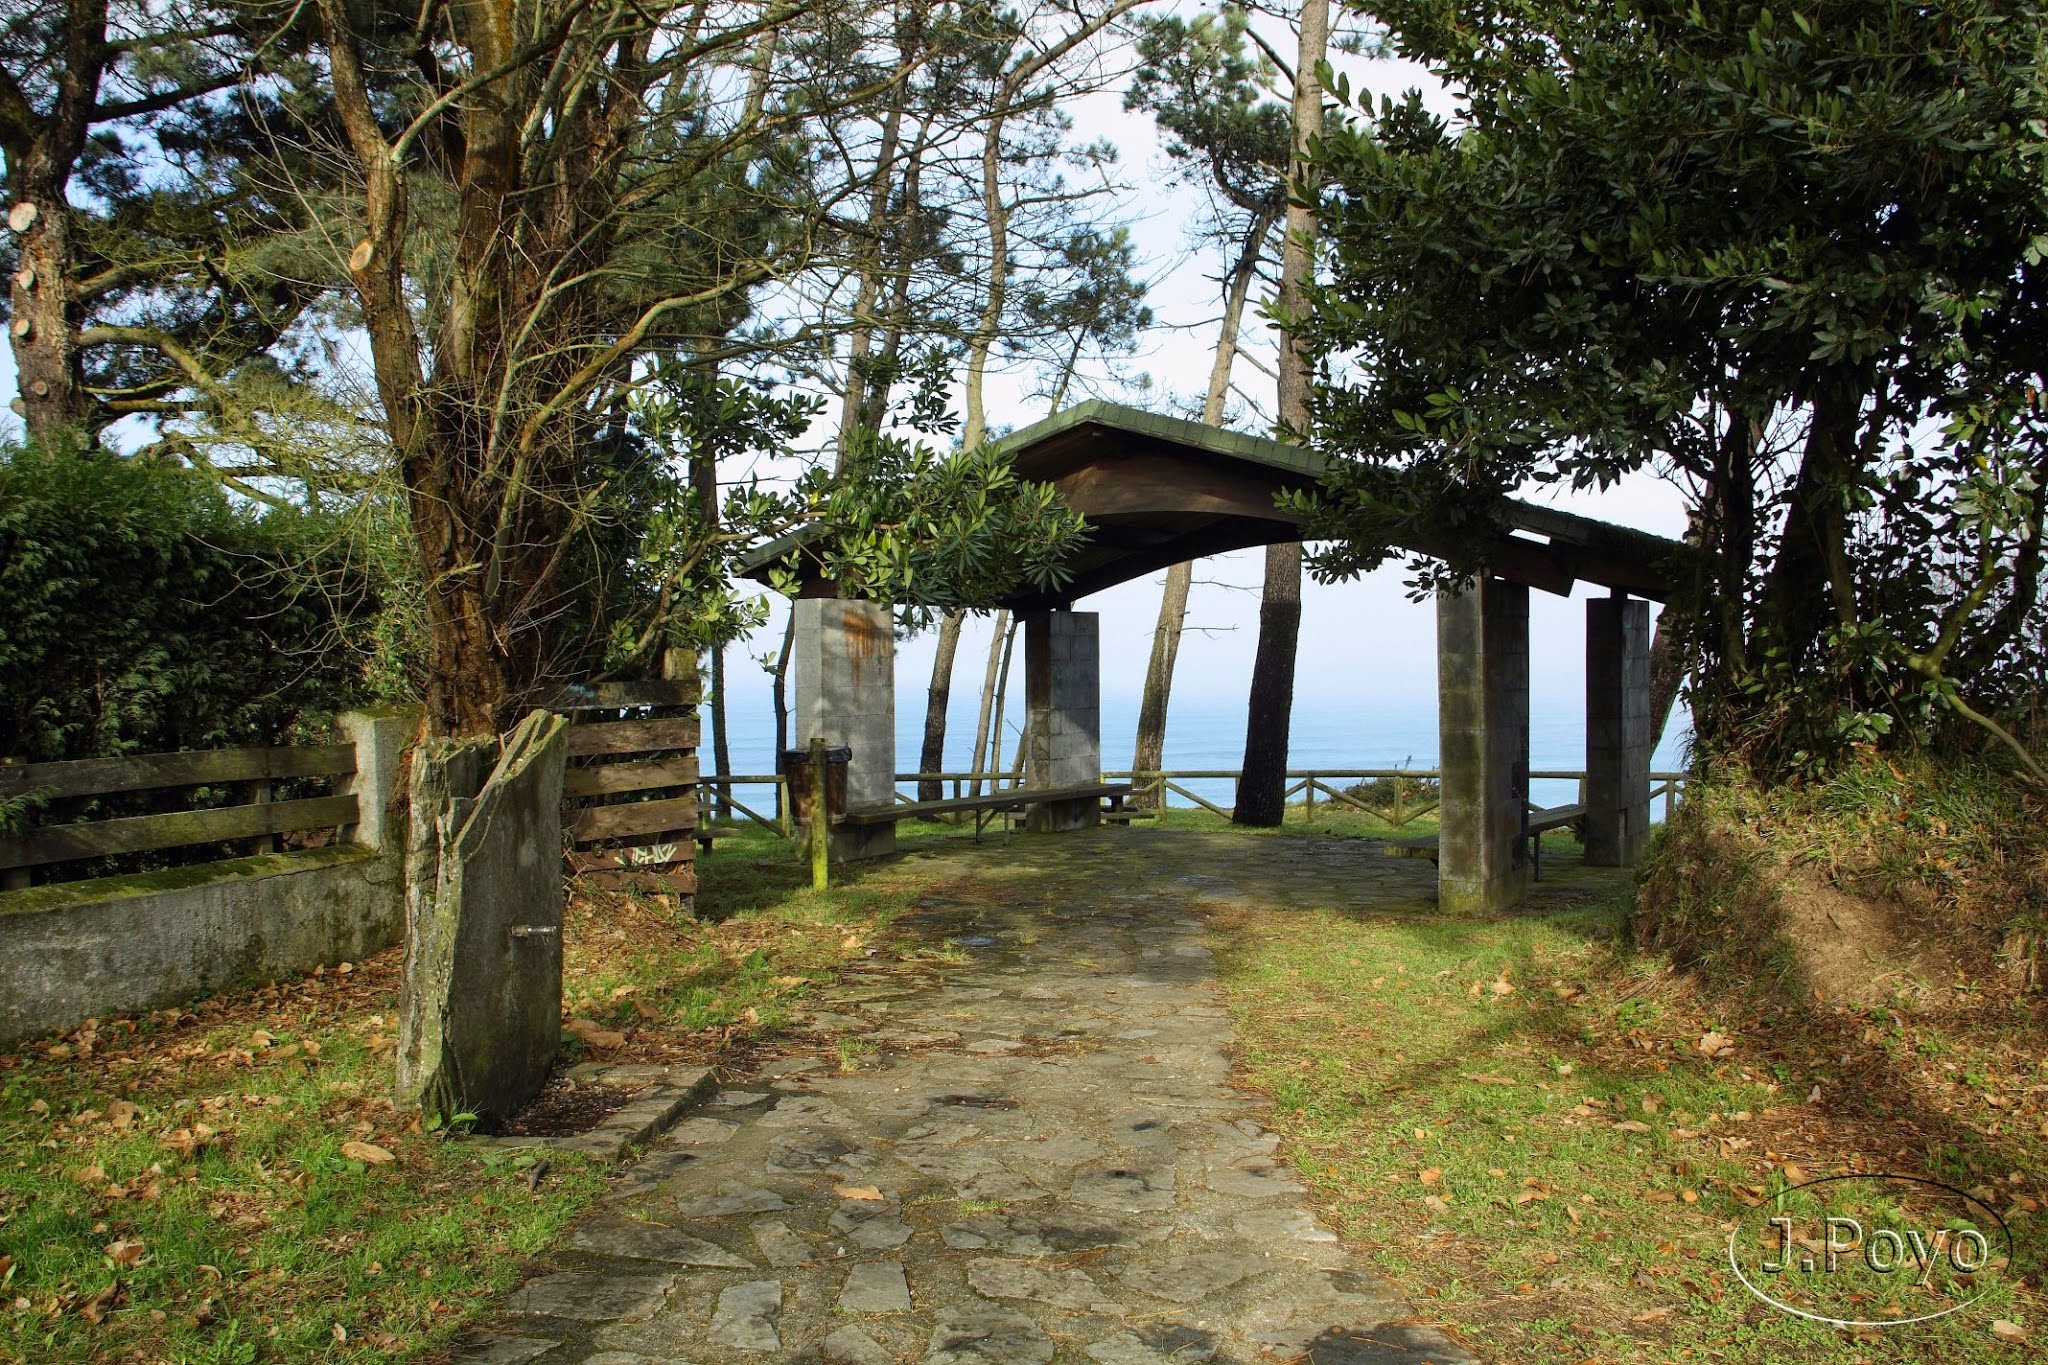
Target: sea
x,y
1207,732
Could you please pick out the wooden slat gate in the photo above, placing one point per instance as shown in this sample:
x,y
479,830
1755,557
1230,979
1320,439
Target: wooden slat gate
x,y
631,785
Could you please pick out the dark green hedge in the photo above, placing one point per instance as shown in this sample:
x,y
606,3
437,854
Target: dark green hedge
x,y
142,610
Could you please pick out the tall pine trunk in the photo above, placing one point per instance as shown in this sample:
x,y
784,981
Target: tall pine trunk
x,y
1149,752
988,697
933,757
1262,786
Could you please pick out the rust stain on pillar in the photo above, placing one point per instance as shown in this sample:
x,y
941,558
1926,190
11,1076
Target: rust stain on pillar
x,y
867,643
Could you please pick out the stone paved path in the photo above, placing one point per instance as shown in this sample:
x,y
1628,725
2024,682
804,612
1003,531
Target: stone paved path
x,y
1041,1158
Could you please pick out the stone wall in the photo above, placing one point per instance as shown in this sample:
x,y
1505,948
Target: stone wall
x,y
72,951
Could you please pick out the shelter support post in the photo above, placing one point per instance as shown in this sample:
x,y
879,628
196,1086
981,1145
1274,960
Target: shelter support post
x,y
845,660
1063,692
1483,743
1618,738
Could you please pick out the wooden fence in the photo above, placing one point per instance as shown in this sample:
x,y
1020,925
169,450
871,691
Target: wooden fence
x,y
632,783
1410,799
257,817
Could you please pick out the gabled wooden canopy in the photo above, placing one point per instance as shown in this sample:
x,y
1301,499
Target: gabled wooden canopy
x,y
1158,490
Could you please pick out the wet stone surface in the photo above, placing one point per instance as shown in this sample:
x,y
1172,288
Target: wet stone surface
x,y
1042,1158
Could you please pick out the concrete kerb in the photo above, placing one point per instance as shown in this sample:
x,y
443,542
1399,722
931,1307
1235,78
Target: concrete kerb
x,y
670,1094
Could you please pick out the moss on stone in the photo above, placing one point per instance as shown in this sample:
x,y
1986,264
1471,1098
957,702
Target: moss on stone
x,y
65,895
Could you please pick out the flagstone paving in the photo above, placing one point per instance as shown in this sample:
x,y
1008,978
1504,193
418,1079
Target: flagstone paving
x,y
1039,1155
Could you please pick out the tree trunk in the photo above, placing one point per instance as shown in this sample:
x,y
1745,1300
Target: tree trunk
x,y
1667,674
1262,785
782,686
988,696
933,757
41,153
1148,754
860,345
721,744
995,738
1813,553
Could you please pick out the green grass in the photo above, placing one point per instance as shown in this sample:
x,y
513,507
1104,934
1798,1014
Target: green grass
x,y
1452,1091
221,1220
177,1188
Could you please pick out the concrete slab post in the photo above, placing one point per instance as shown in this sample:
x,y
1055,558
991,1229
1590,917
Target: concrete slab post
x,y
845,661
1483,746
1618,738
380,737
480,1014
1063,694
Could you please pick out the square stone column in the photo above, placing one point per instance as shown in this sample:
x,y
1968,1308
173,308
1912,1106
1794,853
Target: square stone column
x,y
380,737
1483,746
1063,725
845,661
1618,738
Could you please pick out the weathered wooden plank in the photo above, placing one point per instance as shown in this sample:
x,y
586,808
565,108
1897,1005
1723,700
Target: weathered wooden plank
x,y
618,696
1010,798
192,768
638,817
138,833
667,853
603,779
632,736
1556,817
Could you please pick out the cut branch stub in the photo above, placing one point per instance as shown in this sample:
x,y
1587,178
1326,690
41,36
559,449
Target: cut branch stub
x,y
25,278
22,217
24,328
359,259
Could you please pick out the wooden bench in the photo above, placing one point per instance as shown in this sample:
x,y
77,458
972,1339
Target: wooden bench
x,y
1541,821
986,808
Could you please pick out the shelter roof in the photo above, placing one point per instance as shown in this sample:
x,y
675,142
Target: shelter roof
x,y
1158,490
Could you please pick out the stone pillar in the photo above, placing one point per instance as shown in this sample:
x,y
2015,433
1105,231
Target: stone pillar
x,y
845,662
380,738
480,1013
1618,738
1483,746
1063,727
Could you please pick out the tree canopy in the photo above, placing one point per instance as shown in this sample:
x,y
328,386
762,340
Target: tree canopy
x,y
1789,258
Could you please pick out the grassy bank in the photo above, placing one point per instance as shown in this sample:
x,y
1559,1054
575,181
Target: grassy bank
x,y
1518,1118
230,1182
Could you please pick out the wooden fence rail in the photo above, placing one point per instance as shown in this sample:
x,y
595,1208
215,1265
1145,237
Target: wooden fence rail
x,y
1308,783
258,817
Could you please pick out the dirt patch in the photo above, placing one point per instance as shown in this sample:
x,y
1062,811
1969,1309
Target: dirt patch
x,y
1852,949
566,1108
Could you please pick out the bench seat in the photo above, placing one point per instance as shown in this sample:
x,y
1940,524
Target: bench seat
x,y
1010,799
1541,821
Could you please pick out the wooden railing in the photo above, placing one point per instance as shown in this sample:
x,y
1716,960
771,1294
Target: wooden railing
x,y
1308,784
258,818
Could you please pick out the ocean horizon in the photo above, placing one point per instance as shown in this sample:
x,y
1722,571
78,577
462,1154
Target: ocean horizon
x,y
1207,732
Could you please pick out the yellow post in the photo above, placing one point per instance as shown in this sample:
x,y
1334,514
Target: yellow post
x,y
821,819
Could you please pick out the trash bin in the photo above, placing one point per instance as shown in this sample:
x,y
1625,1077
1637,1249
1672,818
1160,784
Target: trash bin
x,y
796,767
